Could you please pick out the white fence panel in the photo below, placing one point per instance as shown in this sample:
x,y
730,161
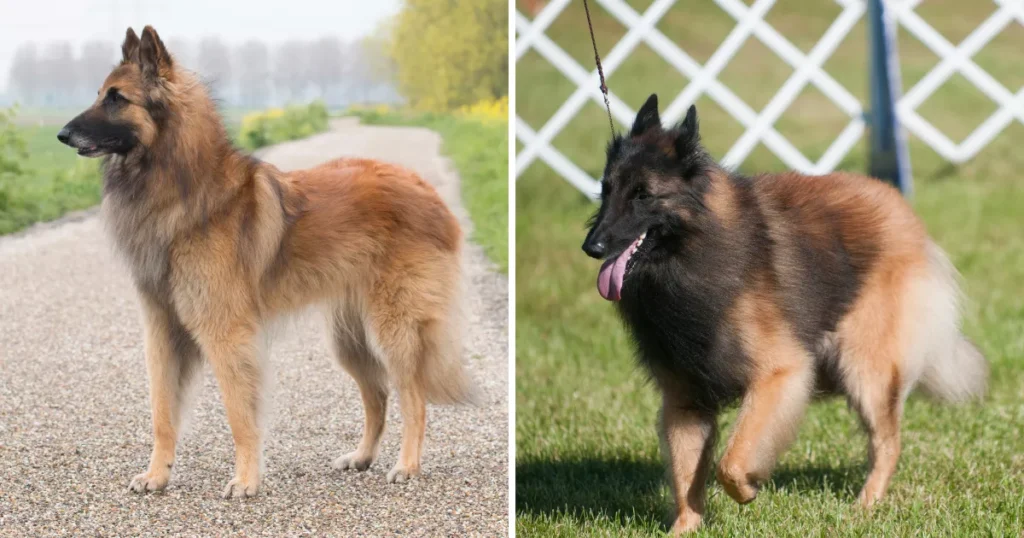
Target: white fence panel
x,y
759,126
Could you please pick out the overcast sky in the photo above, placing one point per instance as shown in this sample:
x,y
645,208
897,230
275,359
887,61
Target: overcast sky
x,y
272,21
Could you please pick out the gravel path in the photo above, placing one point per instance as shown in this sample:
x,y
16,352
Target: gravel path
x,y
74,411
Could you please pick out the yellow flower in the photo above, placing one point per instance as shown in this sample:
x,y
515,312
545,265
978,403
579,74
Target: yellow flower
x,y
487,110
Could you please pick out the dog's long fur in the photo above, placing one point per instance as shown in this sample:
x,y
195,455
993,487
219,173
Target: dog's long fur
x,y
220,244
768,290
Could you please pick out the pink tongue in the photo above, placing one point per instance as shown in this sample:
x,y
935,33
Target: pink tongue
x,y
609,280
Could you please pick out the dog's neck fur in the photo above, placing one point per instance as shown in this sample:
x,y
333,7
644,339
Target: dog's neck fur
x,y
154,194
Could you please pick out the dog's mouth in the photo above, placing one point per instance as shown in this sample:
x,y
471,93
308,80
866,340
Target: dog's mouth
x,y
616,269
91,151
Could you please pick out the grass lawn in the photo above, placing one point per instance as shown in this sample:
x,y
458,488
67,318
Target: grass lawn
x,y
587,454
480,152
54,181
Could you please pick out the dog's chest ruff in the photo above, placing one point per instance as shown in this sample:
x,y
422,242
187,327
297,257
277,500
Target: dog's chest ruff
x,y
140,243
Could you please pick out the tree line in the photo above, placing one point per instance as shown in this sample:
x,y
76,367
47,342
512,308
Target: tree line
x,y
252,74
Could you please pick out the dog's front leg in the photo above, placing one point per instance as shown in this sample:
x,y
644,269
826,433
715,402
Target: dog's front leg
x,y
172,359
236,358
688,439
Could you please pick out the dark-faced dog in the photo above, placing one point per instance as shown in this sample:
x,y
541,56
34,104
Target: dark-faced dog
x,y
767,290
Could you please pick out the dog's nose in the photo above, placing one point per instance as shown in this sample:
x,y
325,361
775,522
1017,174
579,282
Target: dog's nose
x,y
595,249
64,135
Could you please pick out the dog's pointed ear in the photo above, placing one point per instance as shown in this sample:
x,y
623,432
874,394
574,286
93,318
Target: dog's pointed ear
x,y
130,47
154,59
647,117
690,122
688,139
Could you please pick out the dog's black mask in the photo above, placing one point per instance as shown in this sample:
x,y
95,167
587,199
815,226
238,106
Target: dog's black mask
x,y
94,132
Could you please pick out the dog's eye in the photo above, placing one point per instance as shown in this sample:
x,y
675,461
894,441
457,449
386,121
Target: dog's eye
x,y
640,193
114,97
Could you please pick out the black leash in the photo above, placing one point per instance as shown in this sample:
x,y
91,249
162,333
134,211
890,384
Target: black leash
x,y
600,70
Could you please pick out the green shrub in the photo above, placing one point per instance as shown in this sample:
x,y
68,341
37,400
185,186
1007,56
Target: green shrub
x,y
281,124
12,154
34,185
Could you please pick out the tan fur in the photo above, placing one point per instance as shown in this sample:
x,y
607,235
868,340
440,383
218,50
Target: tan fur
x,y
220,245
775,401
720,199
687,438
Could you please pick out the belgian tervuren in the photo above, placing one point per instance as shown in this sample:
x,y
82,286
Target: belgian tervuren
x,y
767,290
220,244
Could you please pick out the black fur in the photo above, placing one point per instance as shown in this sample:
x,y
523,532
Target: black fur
x,y
685,279
91,129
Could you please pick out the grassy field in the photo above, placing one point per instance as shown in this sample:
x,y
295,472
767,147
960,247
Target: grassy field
x,y
480,152
587,460
53,181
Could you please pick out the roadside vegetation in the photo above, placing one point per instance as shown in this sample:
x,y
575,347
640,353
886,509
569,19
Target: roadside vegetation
x,y
278,125
40,179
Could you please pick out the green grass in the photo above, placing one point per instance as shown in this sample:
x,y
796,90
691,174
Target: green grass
x,y
53,181
479,149
276,125
587,454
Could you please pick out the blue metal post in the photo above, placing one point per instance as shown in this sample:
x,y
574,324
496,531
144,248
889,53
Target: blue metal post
x,y
889,159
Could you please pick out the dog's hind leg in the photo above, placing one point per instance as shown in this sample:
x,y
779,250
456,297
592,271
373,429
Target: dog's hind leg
x,y
875,389
348,342
879,405
396,340
688,438
172,359
413,403
769,417
875,376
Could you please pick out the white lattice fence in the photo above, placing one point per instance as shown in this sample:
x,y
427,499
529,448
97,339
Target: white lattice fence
x,y
759,125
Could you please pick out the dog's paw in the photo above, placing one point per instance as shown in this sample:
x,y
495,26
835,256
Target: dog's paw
x,y
737,484
685,524
354,461
239,489
149,482
867,498
400,474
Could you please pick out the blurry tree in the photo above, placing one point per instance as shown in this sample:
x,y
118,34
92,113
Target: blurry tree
x,y
326,67
451,53
358,74
60,76
25,73
96,61
253,63
181,51
250,75
213,63
291,70
374,65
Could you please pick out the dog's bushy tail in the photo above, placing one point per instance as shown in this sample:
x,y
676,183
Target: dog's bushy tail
x,y
954,370
443,373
